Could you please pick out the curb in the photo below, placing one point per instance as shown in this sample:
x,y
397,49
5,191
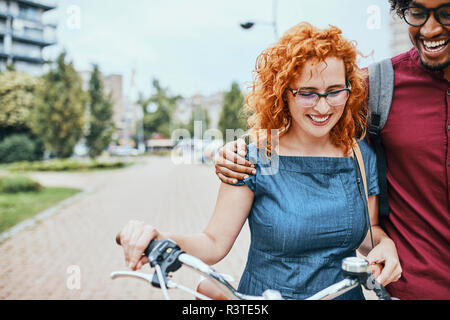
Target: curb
x,y
26,224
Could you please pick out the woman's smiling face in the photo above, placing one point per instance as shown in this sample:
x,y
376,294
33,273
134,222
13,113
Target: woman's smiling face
x,y
321,77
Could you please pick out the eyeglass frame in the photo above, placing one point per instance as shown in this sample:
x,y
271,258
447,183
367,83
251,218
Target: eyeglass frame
x,y
322,95
428,11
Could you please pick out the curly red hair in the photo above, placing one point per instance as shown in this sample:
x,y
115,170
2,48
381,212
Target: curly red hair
x,y
278,65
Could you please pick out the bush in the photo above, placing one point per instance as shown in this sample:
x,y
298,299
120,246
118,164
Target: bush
x,y
14,184
64,165
18,147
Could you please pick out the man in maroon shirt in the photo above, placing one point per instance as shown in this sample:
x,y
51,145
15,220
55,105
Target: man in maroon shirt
x,y
416,141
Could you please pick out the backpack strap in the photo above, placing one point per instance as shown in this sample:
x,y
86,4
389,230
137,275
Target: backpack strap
x,y
381,89
362,171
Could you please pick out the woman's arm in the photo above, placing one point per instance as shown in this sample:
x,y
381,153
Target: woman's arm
x,y
232,208
384,250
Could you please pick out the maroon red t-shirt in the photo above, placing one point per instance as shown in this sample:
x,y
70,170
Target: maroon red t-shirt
x,y
416,139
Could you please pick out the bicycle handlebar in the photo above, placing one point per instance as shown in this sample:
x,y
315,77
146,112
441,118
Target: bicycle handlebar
x,y
166,256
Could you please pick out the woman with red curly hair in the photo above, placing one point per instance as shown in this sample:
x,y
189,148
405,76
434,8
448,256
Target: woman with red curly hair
x,y
303,205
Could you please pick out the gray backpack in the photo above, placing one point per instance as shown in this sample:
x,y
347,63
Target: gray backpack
x,y
381,88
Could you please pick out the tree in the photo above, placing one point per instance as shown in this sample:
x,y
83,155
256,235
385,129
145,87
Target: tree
x,y
198,114
101,126
159,121
232,115
58,117
17,100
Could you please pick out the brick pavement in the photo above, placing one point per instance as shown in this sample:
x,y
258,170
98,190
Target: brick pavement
x,y
36,263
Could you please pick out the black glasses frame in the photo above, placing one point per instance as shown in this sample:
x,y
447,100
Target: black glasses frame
x,y
434,10
321,95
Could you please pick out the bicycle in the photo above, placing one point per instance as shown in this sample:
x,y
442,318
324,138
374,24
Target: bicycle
x,y
166,257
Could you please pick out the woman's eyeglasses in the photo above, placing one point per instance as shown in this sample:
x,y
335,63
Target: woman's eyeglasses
x,y
418,16
334,98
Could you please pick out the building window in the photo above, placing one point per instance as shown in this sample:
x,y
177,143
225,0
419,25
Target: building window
x,y
28,13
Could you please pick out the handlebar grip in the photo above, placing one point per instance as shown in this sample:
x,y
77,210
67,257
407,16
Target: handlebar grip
x,y
151,246
381,293
147,251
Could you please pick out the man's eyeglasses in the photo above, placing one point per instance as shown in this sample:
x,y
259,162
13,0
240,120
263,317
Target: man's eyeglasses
x,y
334,98
417,16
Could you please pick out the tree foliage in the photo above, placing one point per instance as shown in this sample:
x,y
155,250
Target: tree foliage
x,y
232,115
101,126
17,101
58,117
199,114
159,121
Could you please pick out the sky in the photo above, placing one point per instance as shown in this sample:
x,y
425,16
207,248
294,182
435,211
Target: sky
x,y
197,46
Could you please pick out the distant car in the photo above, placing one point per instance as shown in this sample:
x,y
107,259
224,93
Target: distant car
x,y
124,151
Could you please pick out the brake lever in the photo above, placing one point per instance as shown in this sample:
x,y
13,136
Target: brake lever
x,y
131,274
163,254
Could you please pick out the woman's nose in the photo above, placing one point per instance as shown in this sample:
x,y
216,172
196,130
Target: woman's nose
x,y
322,106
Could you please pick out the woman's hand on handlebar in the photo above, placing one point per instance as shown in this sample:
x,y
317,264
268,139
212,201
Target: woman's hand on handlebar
x,y
134,239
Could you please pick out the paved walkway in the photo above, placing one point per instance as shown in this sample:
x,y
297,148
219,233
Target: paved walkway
x,y
43,262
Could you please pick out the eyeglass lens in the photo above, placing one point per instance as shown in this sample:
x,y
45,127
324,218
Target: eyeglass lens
x,y
418,16
310,99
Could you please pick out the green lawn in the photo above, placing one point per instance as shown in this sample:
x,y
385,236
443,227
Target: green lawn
x,y
17,207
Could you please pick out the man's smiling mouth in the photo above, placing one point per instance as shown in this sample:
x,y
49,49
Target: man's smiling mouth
x,y
435,46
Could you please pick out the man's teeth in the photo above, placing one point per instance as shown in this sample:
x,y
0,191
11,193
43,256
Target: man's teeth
x,y
434,44
322,119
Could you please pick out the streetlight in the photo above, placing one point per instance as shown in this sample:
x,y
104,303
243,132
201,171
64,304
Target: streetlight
x,y
249,24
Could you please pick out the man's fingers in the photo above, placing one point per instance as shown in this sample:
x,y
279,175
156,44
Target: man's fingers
x,y
232,173
239,171
233,157
225,179
241,147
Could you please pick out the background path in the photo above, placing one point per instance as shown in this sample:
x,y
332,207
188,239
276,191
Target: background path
x,y
40,262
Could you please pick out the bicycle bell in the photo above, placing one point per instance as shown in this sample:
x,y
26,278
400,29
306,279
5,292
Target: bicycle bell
x,y
355,265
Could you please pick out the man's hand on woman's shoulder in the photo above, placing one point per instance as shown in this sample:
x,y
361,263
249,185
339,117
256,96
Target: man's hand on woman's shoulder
x,y
231,164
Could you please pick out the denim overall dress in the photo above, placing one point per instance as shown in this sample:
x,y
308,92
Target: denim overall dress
x,y
307,215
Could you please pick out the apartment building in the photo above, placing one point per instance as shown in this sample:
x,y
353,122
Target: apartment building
x,y
213,103
24,34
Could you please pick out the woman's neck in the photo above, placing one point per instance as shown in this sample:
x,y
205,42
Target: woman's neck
x,y
297,144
